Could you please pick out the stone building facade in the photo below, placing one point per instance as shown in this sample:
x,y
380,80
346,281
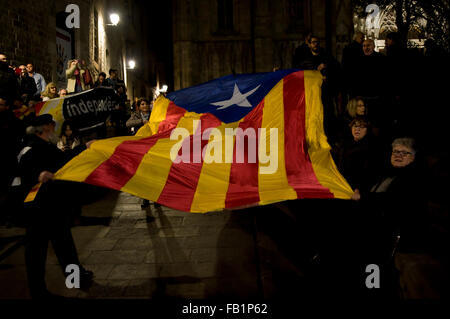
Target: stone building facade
x,y
35,32
212,38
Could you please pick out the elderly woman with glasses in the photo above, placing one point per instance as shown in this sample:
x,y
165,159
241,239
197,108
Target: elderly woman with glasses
x,y
396,202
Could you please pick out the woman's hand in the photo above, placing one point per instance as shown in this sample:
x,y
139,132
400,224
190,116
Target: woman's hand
x,y
356,195
45,176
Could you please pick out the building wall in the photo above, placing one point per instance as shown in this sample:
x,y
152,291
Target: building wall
x,y
28,35
27,32
264,36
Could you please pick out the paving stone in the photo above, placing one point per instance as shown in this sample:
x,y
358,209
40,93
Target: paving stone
x,y
116,257
167,256
108,288
188,269
128,207
141,287
135,271
203,241
123,221
101,271
17,258
97,231
128,200
168,221
179,232
205,220
186,291
127,232
134,244
141,224
13,231
203,255
101,244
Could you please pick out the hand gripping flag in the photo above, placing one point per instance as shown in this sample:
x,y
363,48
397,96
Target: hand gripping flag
x,y
236,141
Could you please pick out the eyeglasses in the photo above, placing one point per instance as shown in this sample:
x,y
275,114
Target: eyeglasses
x,y
401,153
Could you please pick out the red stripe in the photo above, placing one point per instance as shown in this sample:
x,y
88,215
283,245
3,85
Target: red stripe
x,y
243,183
173,115
38,106
299,169
182,181
121,166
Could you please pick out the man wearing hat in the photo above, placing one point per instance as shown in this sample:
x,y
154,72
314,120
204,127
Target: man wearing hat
x,y
47,216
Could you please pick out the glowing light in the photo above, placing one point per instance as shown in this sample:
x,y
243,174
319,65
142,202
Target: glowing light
x,y
114,17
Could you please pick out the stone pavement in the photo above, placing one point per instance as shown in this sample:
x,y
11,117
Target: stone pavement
x,y
259,253
158,252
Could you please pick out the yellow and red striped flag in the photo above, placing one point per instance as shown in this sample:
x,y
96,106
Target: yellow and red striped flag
x,y
281,112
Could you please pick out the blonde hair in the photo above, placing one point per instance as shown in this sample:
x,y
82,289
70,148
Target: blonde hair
x,y
352,105
47,92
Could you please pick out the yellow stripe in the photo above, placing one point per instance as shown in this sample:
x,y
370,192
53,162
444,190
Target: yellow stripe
x,y
151,175
32,194
318,148
274,187
54,107
158,115
80,167
214,178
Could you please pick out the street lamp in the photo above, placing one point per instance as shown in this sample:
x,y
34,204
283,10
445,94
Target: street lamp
x,y
114,18
131,64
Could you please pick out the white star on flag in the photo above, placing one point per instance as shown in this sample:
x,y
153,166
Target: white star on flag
x,y
238,98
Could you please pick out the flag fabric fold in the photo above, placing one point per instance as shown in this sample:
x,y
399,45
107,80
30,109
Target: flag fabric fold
x,y
235,141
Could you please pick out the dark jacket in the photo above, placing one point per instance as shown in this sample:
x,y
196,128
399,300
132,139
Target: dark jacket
x,y
368,79
8,82
27,85
402,205
11,131
42,156
358,161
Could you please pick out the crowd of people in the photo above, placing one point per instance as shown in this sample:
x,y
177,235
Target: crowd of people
x,y
33,152
367,138
377,111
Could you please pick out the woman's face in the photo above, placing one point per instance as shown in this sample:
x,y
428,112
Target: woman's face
x,y
53,90
68,131
144,107
360,108
101,79
401,156
358,131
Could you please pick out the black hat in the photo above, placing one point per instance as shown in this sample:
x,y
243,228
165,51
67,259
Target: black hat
x,y
43,119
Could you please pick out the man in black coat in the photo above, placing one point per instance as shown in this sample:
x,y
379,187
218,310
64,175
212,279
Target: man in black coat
x,y
47,218
9,87
27,84
315,58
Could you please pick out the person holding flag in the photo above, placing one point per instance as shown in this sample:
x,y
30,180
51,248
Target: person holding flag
x,y
46,217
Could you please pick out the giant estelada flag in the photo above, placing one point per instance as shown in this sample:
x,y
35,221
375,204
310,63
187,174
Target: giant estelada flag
x,y
278,150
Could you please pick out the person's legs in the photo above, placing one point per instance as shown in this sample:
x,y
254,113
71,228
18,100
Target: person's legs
x,y
36,254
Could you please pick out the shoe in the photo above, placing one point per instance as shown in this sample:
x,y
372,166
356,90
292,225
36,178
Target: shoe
x,y
86,278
